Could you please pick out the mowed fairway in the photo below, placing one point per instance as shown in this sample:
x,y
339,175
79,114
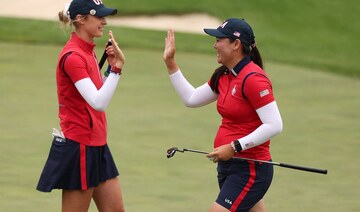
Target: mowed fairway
x,y
320,112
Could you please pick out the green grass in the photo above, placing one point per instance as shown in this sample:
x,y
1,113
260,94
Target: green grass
x,y
316,34
319,110
320,35
299,41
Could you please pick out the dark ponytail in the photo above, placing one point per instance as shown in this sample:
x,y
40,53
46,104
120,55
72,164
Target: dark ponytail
x,y
254,54
214,81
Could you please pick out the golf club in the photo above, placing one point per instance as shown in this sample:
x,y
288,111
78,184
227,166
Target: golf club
x,y
171,152
104,56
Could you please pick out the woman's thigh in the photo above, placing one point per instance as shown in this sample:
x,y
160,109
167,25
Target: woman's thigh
x,y
76,200
108,196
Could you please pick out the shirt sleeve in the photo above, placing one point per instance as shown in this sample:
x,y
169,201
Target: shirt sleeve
x,y
258,90
98,99
271,125
192,97
75,67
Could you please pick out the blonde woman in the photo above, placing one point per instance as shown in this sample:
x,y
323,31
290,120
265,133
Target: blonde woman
x,y
80,163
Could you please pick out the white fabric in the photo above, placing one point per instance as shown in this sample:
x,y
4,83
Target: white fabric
x,y
57,133
98,99
104,78
192,97
272,125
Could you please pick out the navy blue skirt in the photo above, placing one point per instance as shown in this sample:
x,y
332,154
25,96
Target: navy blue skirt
x,y
242,183
74,166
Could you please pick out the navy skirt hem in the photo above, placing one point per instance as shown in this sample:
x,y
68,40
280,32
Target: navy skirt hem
x,y
74,166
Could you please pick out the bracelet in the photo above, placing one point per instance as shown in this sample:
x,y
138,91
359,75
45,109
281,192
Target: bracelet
x,y
236,146
107,72
116,70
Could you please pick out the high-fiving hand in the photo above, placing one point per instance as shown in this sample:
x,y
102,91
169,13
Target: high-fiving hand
x,y
115,55
169,52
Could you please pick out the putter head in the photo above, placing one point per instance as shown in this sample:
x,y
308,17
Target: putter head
x,y
171,152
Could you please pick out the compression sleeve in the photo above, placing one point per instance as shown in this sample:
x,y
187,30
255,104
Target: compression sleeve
x,y
192,97
98,99
271,126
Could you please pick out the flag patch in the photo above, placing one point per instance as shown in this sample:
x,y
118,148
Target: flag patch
x,y
237,34
249,145
264,92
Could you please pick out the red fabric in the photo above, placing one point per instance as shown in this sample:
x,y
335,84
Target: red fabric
x,y
78,120
83,167
247,187
239,117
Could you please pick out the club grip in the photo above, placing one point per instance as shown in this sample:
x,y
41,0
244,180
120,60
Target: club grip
x,y
308,169
104,56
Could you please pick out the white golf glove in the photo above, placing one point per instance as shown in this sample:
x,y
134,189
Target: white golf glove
x,y
57,133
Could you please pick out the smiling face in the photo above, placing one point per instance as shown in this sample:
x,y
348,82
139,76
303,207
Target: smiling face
x,y
90,27
94,26
228,52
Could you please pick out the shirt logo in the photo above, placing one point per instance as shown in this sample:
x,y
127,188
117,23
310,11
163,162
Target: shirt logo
x,y
264,92
233,92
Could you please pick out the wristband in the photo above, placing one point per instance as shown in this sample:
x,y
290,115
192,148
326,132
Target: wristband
x,y
116,70
233,146
236,146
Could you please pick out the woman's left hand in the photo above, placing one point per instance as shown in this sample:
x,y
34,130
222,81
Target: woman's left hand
x,y
224,152
115,55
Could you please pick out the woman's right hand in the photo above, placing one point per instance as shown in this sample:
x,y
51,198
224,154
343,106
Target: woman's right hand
x,y
169,52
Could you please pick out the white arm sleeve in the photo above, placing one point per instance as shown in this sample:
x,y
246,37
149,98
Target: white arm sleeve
x,y
271,126
98,99
192,97
104,78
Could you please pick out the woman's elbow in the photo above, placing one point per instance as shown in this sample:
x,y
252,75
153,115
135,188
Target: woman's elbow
x,y
192,102
99,107
278,127
190,105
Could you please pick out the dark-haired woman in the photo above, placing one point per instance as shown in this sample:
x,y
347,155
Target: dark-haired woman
x,y
250,116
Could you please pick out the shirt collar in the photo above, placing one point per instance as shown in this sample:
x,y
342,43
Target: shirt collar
x,y
86,46
236,70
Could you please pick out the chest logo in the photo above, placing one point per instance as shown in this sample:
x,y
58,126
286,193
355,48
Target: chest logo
x,y
233,92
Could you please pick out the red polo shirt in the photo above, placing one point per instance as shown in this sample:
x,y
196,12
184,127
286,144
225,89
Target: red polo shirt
x,y
78,120
239,117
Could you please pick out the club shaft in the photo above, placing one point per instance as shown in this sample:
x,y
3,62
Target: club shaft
x,y
303,168
196,151
285,165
